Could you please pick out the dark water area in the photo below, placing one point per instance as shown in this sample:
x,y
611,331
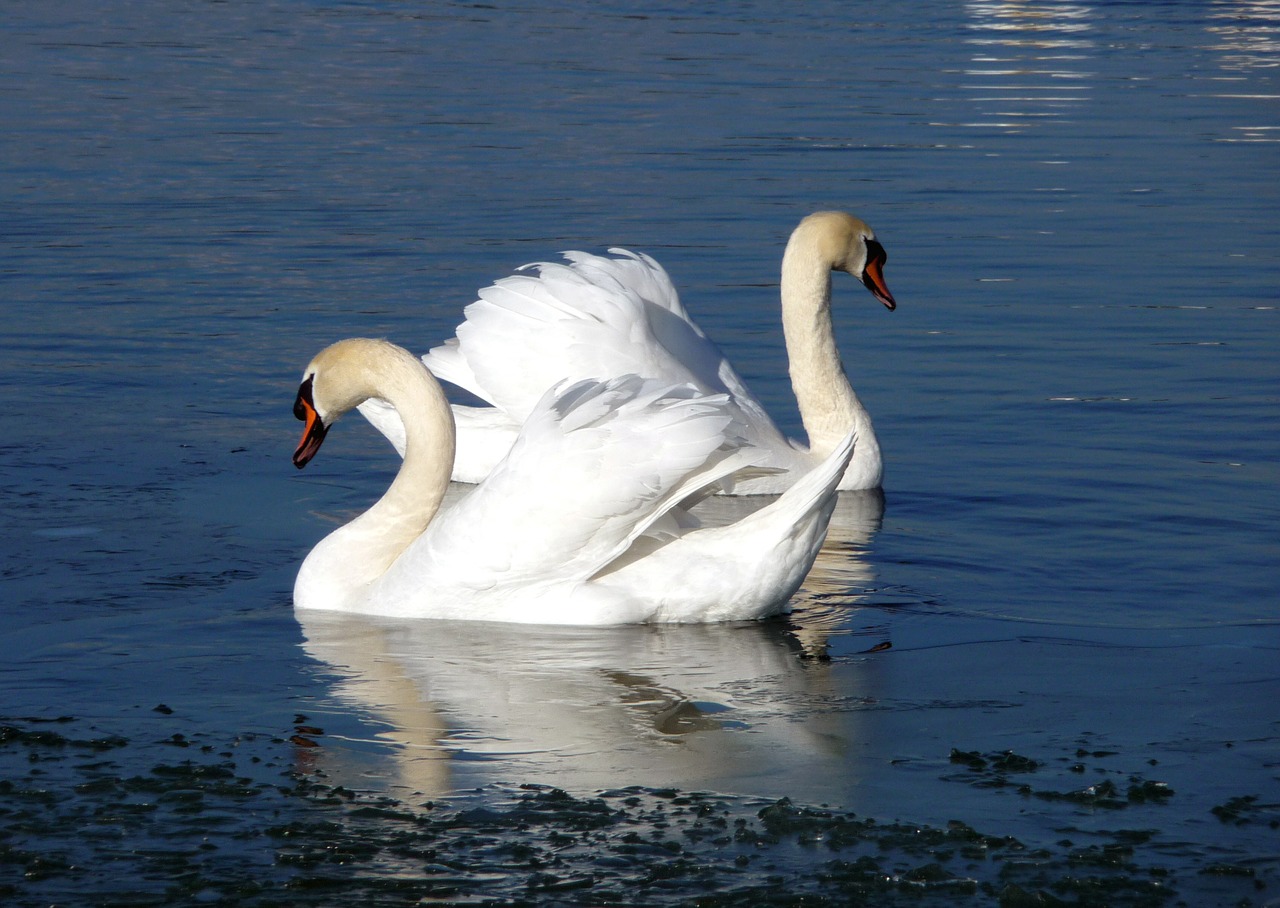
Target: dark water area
x,y
1043,666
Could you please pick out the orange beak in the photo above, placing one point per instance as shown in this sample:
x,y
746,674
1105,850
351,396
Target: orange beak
x,y
873,274
313,433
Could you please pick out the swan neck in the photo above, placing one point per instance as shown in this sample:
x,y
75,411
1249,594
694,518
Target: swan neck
x,y
827,403
341,568
414,497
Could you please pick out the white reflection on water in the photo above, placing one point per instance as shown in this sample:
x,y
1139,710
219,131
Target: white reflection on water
x,y
1247,34
590,708
1027,62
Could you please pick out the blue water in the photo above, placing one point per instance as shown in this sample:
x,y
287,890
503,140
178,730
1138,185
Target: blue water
x,y
1078,397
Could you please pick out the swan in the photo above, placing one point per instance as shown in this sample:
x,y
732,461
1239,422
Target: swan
x,y
580,523
600,316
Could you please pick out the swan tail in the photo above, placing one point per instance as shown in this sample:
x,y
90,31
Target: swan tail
x,y
744,570
801,514
793,529
816,490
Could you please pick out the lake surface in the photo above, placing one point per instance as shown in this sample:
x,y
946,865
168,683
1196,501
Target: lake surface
x,y
1043,665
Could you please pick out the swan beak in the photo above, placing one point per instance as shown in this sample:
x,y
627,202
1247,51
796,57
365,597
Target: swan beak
x,y
313,433
873,274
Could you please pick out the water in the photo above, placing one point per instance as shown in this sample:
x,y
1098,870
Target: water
x,y
1075,557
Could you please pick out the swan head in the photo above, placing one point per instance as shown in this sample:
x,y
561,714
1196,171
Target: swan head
x,y
338,380
845,243
314,431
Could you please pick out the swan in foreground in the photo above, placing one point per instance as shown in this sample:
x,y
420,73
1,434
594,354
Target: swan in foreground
x,y
581,522
601,316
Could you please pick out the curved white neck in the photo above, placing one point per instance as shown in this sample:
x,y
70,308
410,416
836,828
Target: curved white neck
x,y
828,405
414,496
357,554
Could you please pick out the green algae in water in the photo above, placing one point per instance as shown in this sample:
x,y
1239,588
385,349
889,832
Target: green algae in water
x,y
998,770
1246,811
236,823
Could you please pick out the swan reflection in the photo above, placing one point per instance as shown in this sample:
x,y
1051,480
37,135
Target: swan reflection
x,y
690,706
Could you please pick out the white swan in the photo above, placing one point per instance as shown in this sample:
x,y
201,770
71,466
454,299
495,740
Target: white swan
x,y
602,316
579,524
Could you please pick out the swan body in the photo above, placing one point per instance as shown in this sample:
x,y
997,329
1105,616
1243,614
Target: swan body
x,y
579,523
601,316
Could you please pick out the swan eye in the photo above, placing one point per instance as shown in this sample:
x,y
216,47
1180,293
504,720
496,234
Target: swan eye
x,y
314,432
304,399
873,274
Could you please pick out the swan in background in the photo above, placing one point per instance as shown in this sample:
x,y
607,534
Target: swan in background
x,y
579,524
602,316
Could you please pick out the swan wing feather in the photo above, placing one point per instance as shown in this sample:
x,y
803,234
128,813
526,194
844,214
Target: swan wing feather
x,y
485,435
747,569
596,465
596,317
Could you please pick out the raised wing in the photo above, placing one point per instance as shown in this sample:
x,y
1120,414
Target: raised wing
x,y
595,318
